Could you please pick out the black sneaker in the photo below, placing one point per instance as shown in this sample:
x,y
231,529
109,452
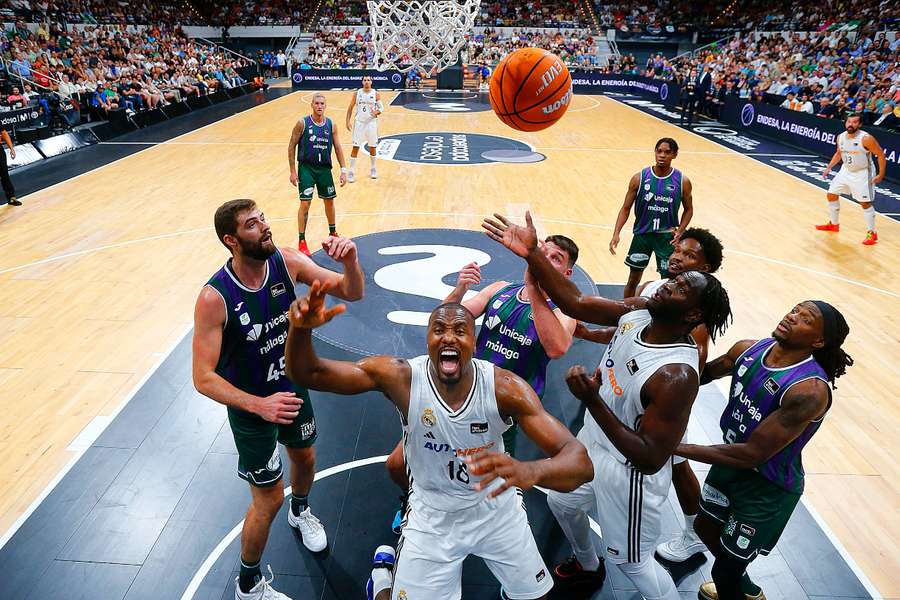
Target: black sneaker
x,y
571,575
14,202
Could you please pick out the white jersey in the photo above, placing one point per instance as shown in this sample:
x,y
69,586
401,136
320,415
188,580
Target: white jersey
x,y
854,156
365,105
627,363
436,440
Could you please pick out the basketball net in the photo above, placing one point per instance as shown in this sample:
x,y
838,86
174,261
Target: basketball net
x,y
420,35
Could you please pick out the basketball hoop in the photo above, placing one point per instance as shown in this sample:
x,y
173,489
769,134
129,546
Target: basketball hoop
x,y
427,35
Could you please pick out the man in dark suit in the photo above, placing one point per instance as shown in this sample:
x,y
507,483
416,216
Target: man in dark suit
x,y
4,169
887,119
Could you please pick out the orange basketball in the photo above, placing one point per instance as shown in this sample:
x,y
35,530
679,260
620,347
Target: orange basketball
x,y
530,89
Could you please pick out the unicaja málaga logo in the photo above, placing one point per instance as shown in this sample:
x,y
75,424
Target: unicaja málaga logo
x,y
747,114
664,91
297,77
396,78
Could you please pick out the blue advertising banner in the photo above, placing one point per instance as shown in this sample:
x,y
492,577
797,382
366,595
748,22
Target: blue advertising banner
x,y
324,79
595,82
803,130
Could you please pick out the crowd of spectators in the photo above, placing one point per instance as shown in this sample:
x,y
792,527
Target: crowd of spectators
x,y
532,13
105,67
102,12
826,73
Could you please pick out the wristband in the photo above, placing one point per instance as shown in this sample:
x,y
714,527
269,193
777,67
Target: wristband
x,y
343,170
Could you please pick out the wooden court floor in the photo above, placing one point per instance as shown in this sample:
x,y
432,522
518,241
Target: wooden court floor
x,y
98,275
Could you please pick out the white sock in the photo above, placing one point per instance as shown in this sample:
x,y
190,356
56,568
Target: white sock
x,y
381,580
352,162
373,160
869,214
689,523
834,212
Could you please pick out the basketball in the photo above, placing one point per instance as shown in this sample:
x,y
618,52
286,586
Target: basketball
x,y
530,89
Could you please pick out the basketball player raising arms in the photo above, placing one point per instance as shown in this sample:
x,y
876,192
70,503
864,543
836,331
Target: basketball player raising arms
x,y
857,176
454,409
657,194
316,135
367,102
637,406
779,397
519,333
240,327
697,250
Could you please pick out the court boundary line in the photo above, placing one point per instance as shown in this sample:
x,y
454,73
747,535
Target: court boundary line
x,y
845,554
17,524
217,552
738,153
441,214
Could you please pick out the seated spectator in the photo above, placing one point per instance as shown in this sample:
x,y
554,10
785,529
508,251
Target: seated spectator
x,y
791,103
16,99
827,109
805,105
888,119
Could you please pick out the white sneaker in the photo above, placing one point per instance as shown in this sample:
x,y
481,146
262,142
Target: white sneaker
x,y
261,591
373,173
350,178
310,528
682,547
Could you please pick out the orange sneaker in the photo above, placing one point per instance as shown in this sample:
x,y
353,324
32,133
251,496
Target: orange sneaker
x,y
829,226
333,234
302,247
871,238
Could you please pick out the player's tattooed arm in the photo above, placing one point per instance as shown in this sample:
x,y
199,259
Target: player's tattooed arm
x,y
622,218
523,241
668,395
292,150
568,466
303,366
722,366
803,403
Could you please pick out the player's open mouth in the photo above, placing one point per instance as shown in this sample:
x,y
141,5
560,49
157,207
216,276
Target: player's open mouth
x,y
449,361
783,328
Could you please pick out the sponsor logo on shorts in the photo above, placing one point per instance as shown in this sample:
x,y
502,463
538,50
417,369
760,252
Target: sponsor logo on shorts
x,y
330,189
254,332
632,366
742,542
277,289
540,576
639,257
308,191
307,430
747,530
428,418
771,386
714,496
478,428
244,319
612,550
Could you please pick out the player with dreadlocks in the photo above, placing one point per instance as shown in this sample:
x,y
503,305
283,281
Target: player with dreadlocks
x,y
779,396
637,406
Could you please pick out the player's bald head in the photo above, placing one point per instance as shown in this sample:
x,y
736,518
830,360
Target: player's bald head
x,y
452,311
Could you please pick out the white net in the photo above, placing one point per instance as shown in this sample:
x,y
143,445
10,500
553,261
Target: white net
x,y
423,35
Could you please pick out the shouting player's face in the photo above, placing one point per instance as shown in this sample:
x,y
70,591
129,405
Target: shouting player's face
x,y
802,327
254,236
451,342
688,256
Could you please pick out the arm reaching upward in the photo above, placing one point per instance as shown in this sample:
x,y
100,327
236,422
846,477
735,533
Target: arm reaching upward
x,y
564,293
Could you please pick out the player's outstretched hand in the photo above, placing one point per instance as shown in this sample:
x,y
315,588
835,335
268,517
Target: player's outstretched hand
x,y
521,240
310,312
280,407
583,386
469,275
491,465
340,249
